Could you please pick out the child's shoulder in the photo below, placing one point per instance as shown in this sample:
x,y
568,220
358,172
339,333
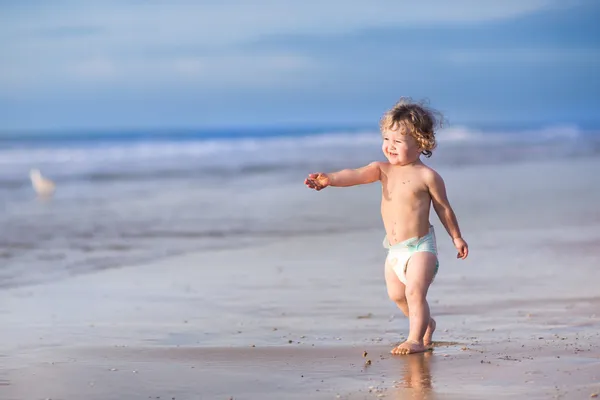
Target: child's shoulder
x,y
428,174
425,169
380,164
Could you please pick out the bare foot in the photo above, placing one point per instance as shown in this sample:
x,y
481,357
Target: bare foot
x,y
408,348
429,333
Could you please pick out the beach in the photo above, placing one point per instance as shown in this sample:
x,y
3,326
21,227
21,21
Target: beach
x,y
292,315
162,238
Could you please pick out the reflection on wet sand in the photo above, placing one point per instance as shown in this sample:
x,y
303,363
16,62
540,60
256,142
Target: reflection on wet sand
x,y
415,380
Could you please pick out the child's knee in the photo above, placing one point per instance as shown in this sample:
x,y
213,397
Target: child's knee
x,y
399,299
416,292
397,296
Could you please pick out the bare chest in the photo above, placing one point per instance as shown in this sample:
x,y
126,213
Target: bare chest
x,y
401,188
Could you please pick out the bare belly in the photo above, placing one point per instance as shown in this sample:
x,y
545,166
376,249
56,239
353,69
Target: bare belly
x,y
402,223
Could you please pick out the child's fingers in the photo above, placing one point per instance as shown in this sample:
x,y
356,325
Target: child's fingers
x,y
462,252
312,184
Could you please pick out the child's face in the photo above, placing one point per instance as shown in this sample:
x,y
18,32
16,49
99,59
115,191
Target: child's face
x,y
400,148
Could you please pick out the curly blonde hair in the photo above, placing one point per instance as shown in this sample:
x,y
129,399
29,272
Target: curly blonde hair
x,y
416,119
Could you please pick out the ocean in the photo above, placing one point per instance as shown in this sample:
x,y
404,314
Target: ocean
x,y
126,197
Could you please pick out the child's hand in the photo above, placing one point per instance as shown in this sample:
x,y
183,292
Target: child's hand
x,y
462,247
317,181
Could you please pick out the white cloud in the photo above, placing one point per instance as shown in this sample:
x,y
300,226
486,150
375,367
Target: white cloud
x,y
229,22
521,56
112,41
191,67
96,69
244,71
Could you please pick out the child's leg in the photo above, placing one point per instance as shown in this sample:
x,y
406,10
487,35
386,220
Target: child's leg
x,y
419,274
396,289
397,293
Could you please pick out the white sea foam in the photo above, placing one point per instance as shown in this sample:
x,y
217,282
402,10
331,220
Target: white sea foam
x,y
107,150
109,156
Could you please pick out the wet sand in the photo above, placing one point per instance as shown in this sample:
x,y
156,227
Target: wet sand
x,y
174,330
558,367
292,319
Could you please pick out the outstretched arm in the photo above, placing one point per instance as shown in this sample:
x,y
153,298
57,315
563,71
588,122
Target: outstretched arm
x,y
441,205
360,176
346,177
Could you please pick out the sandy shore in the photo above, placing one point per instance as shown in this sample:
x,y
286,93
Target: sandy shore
x,y
292,319
550,370
174,329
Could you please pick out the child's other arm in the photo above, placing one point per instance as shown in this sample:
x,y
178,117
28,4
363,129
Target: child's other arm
x,y
441,205
346,177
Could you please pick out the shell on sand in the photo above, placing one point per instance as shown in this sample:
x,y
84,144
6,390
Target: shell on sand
x,y
42,186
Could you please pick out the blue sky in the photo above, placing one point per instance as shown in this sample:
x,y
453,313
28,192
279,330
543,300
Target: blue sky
x,y
82,64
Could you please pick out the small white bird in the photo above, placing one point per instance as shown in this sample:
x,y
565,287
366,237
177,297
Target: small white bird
x,y
43,186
